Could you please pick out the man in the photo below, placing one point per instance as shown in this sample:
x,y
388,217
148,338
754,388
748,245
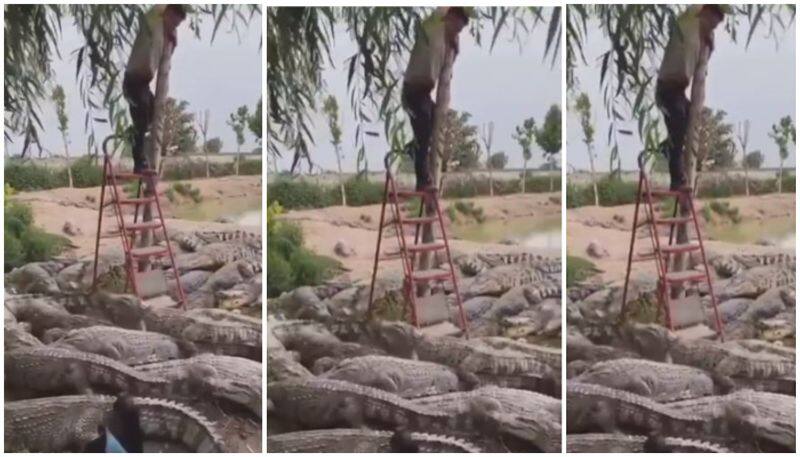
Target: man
x,y
694,30
124,431
437,33
158,25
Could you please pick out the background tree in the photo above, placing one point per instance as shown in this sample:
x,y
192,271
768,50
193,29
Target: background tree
x,y
584,108
524,134
754,160
782,133
716,147
254,123
743,135
461,149
214,145
238,122
548,137
487,132
179,135
498,161
331,109
32,39
59,99
202,119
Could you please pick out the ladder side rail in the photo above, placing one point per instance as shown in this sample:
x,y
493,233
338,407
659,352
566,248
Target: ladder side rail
x,y
378,247
623,309
99,221
717,320
408,268
152,183
660,260
461,314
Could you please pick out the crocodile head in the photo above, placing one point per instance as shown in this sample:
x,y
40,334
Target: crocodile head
x,y
651,340
233,298
125,310
396,337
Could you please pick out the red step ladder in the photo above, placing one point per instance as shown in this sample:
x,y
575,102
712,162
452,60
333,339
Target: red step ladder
x,y
407,251
150,282
685,311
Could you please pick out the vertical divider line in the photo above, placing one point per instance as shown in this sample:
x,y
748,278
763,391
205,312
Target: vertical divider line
x,y
564,110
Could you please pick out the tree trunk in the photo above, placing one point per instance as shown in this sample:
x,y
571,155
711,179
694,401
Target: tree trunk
x,y
208,167
591,174
341,175
434,166
552,174
236,163
69,162
524,174
690,150
491,182
155,144
780,177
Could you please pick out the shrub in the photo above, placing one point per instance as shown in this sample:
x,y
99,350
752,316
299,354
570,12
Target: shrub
x,y
24,242
578,269
84,173
298,194
279,274
187,190
29,176
250,167
359,192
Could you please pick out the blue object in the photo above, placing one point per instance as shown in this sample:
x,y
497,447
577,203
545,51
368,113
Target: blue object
x,y
112,444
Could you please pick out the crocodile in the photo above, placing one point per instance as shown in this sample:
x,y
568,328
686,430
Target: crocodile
x,y
228,276
581,348
468,358
620,443
209,330
403,377
547,355
35,277
731,265
43,313
131,347
529,416
283,365
755,281
17,337
348,440
58,370
326,403
767,416
595,408
193,280
215,255
241,295
478,263
234,379
67,423
501,279
192,241
661,382
313,342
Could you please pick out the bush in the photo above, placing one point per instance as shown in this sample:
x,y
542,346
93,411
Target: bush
x,y
24,242
84,173
724,209
250,167
578,269
29,176
359,192
298,194
186,190
610,192
289,263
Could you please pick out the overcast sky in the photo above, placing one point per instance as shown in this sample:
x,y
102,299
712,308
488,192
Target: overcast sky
x,y
505,85
219,77
755,83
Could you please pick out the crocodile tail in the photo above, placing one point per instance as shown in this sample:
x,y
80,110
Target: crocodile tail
x,y
180,423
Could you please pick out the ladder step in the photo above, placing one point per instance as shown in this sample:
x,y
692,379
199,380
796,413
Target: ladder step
x,y
685,276
406,194
130,176
687,311
644,257
425,247
665,193
141,226
680,248
149,251
430,275
136,201
419,220
673,220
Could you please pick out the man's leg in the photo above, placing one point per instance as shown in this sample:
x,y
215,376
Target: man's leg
x,y
675,107
141,102
420,109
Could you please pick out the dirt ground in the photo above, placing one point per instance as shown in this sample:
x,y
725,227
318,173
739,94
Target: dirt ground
x,y
357,228
589,223
52,208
